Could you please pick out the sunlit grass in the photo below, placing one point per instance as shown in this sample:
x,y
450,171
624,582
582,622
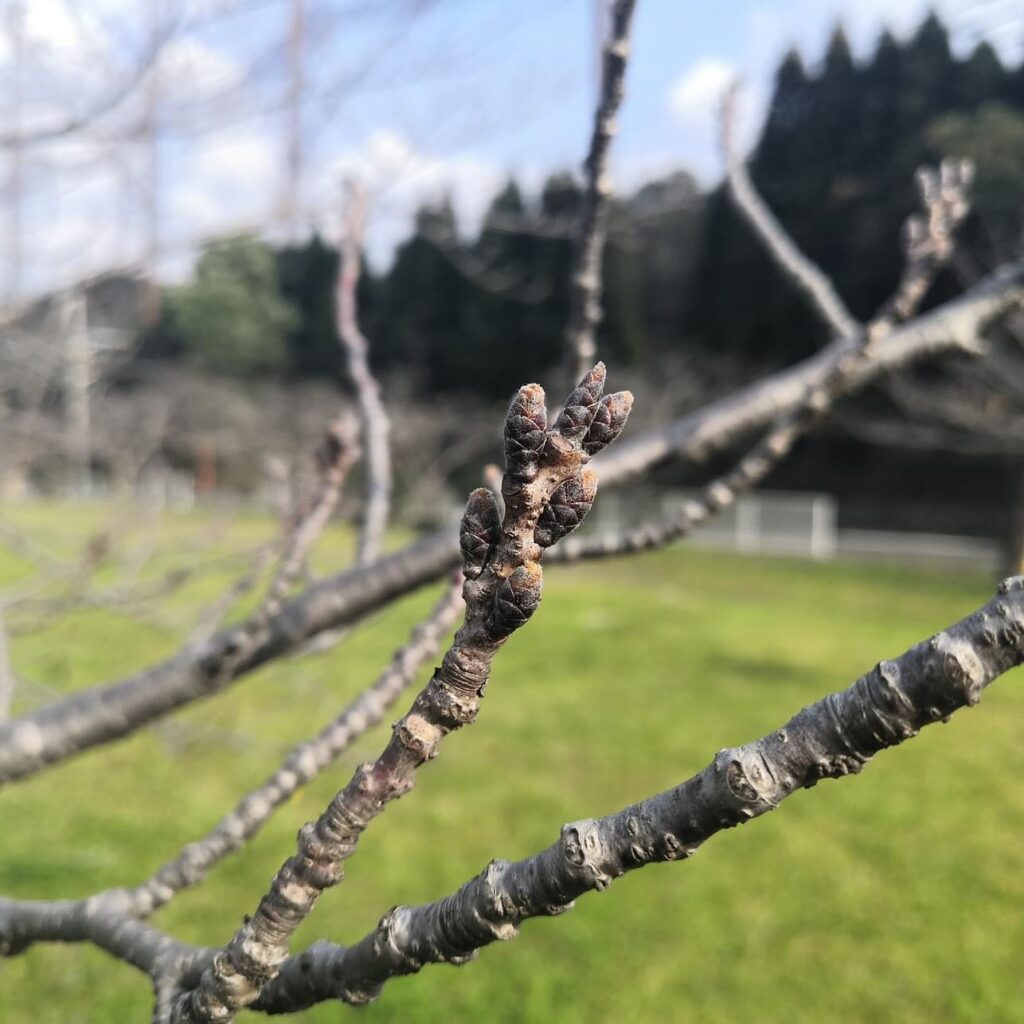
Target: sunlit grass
x,y
894,896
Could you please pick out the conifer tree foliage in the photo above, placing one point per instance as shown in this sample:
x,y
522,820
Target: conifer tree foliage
x,y
231,317
835,161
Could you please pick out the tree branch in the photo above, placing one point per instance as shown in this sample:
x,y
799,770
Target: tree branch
x,y
108,712
832,738
954,326
375,419
106,104
547,492
806,275
101,920
302,764
585,281
929,246
928,239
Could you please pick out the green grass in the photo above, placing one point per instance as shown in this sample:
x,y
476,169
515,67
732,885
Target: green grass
x,y
892,896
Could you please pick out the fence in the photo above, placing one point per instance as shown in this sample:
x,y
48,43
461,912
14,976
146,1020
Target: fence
x,y
792,524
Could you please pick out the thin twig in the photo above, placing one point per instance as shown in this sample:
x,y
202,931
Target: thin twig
x,y
586,280
547,492
302,764
336,456
376,427
805,274
928,247
928,239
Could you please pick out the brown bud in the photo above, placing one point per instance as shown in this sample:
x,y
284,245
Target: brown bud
x,y
515,600
581,405
609,419
566,509
337,442
525,427
479,531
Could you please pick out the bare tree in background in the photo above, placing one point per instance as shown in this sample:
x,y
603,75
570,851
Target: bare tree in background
x,y
551,472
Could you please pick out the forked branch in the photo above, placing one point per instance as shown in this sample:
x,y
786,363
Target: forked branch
x,y
302,764
547,492
928,243
107,712
832,738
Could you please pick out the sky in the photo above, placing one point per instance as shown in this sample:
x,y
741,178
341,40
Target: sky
x,y
418,99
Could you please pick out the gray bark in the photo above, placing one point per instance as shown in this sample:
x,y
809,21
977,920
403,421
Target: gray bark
x,y
376,425
302,765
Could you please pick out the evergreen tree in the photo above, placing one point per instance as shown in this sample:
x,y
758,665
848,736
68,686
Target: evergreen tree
x,y
980,79
231,317
421,331
306,276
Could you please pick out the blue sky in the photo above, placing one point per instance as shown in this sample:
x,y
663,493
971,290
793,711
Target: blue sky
x,y
417,98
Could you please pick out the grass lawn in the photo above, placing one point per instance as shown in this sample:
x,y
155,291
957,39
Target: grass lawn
x,y
892,896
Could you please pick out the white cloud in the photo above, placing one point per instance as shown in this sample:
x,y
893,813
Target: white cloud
x,y
189,66
51,23
698,92
229,181
402,179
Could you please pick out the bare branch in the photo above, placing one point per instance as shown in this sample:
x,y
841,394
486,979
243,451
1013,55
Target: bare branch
x,y
585,282
928,239
805,274
929,247
104,713
832,738
302,765
492,481
106,104
501,562
954,326
375,420
336,456
101,920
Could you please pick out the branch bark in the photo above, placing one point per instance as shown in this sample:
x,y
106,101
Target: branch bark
x,y
301,765
929,246
832,738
